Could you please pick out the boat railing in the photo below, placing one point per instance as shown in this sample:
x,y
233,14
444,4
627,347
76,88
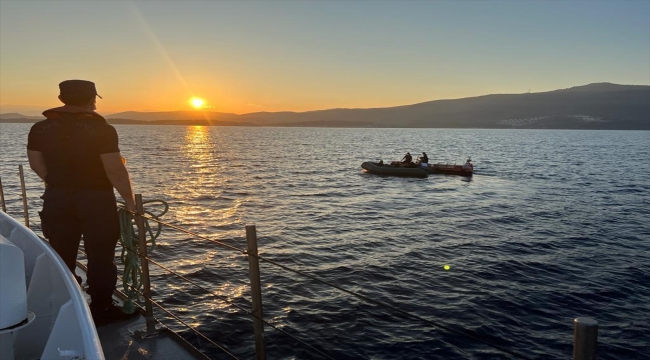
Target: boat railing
x,y
585,329
251,251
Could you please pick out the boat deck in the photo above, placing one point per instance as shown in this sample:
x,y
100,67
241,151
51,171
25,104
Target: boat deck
x,y
122,340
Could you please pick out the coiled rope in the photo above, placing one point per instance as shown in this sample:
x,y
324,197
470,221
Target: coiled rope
x,y
132,279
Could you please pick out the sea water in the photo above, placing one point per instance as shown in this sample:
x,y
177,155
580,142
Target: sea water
x,y
552,226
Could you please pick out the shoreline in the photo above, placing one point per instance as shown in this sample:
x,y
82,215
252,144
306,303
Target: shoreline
x,y
319,124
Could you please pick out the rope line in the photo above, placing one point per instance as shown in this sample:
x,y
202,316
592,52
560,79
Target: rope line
x,y
248,312
160,223
222,298
132,278
363,297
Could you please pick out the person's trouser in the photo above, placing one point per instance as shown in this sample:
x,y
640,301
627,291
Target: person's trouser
x,y
70,213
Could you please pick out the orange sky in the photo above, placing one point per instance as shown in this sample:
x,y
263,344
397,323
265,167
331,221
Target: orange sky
x,y
251,56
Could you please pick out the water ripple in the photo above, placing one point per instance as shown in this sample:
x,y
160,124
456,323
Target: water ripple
x,y
554,225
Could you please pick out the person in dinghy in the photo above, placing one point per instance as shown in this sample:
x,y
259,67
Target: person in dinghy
x,y
424,160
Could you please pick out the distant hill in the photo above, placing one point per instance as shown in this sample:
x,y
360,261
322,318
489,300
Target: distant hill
x,y
9,116
604,86
178,122
171,115
593,106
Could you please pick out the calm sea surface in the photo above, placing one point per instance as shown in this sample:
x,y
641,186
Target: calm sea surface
x,y
554,225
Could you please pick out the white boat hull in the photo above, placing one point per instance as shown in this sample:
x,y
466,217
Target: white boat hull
x,y
62,327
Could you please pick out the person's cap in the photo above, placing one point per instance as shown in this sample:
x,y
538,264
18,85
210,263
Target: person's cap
x,y
78,88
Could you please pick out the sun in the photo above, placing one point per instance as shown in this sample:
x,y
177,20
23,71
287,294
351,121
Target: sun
x,y
197,103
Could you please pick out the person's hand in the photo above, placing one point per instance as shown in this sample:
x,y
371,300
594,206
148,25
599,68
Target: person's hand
x,y
130,205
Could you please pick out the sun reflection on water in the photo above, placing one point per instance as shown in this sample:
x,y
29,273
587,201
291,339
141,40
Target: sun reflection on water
x,y
198,143
201,175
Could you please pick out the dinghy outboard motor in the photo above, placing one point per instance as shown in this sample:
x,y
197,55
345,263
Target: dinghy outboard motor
x,y
13,296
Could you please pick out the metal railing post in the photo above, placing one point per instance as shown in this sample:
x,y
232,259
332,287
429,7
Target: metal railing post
x,y
22,187
2,197
146,291
585,338
256,291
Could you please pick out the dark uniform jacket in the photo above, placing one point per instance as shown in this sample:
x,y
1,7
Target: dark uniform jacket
x,y
71,140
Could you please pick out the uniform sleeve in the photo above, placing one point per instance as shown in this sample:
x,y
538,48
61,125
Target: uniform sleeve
x,y
108,142
33,140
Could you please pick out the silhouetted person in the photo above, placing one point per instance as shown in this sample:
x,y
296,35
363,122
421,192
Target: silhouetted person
x,y
407,158
424,159
76,153
468,164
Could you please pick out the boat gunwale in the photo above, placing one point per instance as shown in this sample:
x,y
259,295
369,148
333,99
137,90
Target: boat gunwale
x,y
90,339
388,170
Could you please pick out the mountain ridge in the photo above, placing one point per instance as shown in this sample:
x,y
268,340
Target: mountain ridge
x,y
591,106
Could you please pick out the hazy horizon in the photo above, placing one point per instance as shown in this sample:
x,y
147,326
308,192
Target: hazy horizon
x,y
34,110
301,56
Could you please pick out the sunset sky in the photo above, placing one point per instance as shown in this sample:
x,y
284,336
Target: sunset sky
x,y
253,56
